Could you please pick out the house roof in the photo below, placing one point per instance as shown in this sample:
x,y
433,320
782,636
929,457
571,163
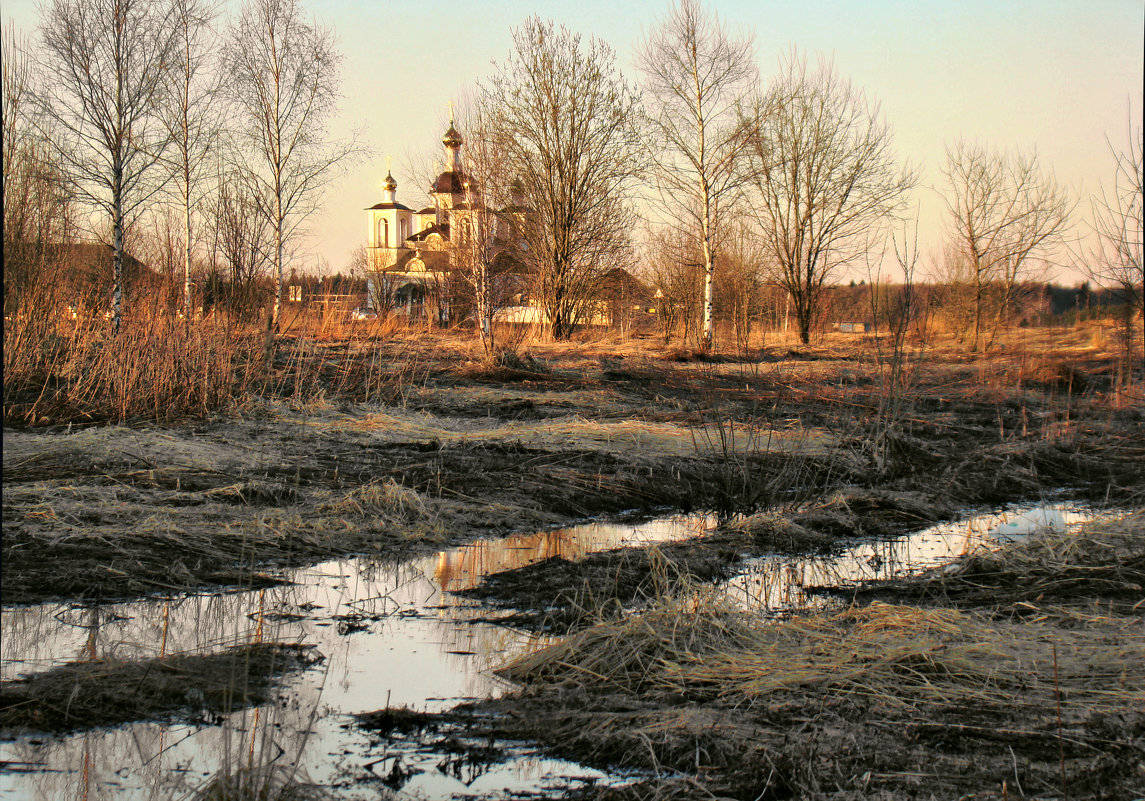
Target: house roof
x,y
90,269
618,283
426,210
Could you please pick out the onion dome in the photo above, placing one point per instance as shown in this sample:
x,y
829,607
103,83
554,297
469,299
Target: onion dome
x,y
390,185
452,138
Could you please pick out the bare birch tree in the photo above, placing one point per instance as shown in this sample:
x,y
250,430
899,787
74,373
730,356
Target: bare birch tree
x,y
695,77
191,94
1005,215
1115,260
825,179
564,118
104,62
284,75
37,201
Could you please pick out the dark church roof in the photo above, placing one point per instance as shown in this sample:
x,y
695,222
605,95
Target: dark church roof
x,y
381,206
442,229
434,261
452,183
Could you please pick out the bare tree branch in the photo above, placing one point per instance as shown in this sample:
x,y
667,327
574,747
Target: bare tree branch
x,y
1115,260
563,116
191,115
104,62
284,82
1005,214
825,179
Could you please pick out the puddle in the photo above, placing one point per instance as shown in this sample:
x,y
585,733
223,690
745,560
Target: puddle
x,y
776,584
391,635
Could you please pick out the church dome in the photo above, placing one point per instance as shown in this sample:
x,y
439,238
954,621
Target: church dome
x,y
452,138
390,184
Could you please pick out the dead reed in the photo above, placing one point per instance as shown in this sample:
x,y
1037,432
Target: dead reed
x,y
159,368
156,368
881,700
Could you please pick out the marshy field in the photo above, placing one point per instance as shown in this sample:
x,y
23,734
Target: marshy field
x,y
385,567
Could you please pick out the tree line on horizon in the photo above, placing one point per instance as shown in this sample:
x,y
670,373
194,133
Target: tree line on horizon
x,y
201,144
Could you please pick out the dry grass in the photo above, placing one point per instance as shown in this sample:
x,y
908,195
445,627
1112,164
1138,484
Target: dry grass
x,y
882,700
261,783
1101,567
158,368
155,368
901,656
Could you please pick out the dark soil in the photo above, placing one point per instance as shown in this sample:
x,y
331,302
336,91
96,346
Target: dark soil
x,y
83,695
559,595
701,740
133,520
800,747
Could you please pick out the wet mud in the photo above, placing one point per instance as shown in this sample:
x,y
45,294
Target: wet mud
x,y
101,692
1019,692
942,685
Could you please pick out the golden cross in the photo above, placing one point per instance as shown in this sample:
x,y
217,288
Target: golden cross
x,y
389,161
450,104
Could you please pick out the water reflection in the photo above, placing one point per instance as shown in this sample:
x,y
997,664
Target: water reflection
x,y
780,583
391,635
463,568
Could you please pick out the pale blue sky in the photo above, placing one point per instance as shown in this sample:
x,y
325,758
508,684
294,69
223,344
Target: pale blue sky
x,y
1056,75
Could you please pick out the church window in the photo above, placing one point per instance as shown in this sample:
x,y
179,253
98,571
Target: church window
x,y
402,232
382,236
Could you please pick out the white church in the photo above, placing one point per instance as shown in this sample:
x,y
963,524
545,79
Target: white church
x,y
413,255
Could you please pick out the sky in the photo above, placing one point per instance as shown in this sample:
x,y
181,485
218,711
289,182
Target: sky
x,y
1062,77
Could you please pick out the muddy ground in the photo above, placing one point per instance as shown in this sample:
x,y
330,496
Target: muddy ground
x,y
572,432
795,447
1017,674
201,688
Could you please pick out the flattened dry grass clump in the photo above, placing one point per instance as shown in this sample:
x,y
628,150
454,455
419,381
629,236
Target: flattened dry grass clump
x,y
384,497
819,526
1103,564
900,656
1105,469
261,783
917,701
84,695
558,594
104,563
